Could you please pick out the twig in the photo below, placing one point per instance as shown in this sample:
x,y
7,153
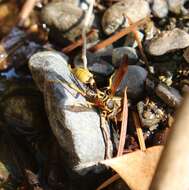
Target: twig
x,y
86,23
139,131
108,181
26,10
123,125
138,42
77,43
117,35
99,7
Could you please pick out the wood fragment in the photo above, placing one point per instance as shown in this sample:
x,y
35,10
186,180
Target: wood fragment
x,y
77,43
138,42
26,10
139,131
108,181
123,125
117,35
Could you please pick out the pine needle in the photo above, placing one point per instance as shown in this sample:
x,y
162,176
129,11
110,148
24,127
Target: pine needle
x,y
139,131
108,181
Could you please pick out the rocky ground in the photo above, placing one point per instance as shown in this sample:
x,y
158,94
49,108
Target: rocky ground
x,y
54,128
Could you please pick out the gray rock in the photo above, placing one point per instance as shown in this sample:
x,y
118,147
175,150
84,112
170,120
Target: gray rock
x,y
119,53
134,79
160,8
75,125
23,112
95,64
175,6
66,18
167,41
169,95
115,16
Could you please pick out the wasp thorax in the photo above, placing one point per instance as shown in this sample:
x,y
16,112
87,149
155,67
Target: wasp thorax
x,y
83,75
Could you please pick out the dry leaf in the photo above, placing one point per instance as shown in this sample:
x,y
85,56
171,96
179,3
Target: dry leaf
x,y
137,168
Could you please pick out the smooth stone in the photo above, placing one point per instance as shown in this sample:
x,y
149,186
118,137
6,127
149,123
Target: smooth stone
x,y
160,8
119,53
66,18
134,79
167,41
24,112
76,126
131,41
115,16
95,64
175,6
169,95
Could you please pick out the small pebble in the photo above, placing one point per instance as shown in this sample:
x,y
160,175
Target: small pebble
x,y
95,64
134,79
115,16
160,8
119,53
175,6
66,18
169,95
167,41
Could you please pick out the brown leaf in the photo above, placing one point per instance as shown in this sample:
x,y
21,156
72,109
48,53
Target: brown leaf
x,y
137,168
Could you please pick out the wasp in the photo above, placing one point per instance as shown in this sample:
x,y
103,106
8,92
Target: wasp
x,y
106,101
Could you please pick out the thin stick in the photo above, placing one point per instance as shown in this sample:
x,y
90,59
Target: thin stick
x,y
108,181
86,23
138,42
139,131
117,35
26,10
77,43
123,125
